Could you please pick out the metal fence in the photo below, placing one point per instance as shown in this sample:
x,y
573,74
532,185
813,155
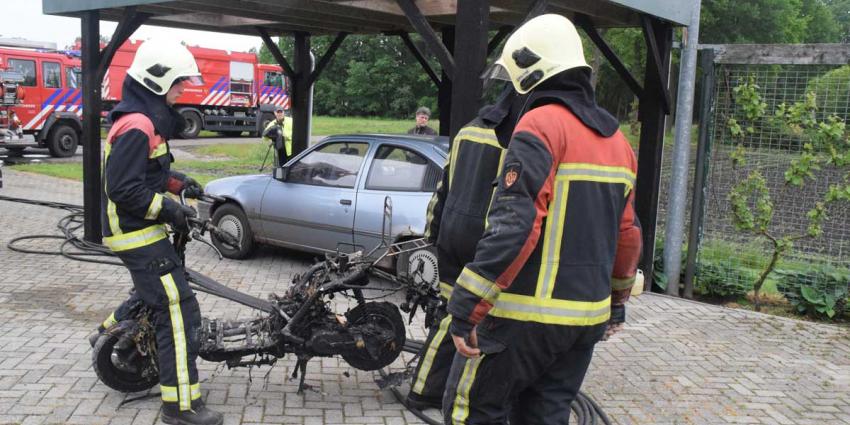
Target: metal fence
x,y
727,256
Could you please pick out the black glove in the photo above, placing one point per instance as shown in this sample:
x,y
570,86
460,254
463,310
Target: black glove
x,y
192,189
177,215
618,314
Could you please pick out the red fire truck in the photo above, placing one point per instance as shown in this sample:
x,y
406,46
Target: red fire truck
x,y
47,107
239,95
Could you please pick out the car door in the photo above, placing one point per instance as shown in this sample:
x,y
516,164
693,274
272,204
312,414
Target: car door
x,y
409,179
314,207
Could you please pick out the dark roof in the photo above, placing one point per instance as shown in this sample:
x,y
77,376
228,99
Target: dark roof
x,y
356,16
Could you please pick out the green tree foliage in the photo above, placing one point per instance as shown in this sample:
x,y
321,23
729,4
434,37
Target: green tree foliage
x,y
769,21
370,75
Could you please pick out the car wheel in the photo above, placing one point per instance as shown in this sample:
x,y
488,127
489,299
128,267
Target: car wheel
x,y
62,141
193,124
231,219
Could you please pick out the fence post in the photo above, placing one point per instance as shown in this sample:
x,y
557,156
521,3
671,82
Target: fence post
x,y
706,115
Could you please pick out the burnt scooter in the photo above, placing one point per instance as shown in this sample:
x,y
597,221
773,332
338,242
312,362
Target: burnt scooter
x,y
302,321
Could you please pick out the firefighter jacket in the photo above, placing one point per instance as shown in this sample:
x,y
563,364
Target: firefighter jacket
x,y
562,237
458,210
281,131
137,169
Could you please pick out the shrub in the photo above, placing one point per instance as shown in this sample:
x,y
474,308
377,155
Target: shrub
x,y
723,280
820,292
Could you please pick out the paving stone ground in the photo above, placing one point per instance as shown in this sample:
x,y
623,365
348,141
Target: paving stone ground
x,y
677,362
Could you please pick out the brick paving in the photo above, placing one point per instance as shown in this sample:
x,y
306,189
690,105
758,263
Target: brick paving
x,y
677,362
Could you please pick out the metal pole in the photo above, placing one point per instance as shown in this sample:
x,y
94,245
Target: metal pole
x,y
90,23
701,172
674,231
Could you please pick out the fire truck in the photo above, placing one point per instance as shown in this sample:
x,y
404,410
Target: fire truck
x,y
43,105
239,94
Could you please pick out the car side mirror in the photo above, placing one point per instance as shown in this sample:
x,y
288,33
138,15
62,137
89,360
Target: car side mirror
x,y
281,173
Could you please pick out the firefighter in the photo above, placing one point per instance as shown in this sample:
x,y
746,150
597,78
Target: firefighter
x,y
423,114
559,254
278,133
455,223
136,173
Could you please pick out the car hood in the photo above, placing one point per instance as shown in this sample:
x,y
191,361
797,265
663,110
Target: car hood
x,y
230,186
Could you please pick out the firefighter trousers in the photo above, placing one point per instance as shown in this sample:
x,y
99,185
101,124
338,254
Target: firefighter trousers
x,y
159,280
435,361
528,373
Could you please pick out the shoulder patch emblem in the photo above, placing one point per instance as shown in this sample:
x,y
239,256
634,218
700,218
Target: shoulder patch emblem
x,y
512,173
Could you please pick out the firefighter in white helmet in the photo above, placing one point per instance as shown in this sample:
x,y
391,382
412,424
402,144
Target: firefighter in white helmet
x,y
136,174
559,254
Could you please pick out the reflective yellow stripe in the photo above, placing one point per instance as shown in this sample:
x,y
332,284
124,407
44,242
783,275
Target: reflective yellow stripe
x,y
136,239
552,243
196,391
597,173
552,311
446,290
479,135
430,353
160,150
109,321
460,410
181,358
155,207
168,393
618,284
431,205
479,286
452,160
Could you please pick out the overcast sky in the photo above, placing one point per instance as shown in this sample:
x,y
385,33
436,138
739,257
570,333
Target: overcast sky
x,y
23,18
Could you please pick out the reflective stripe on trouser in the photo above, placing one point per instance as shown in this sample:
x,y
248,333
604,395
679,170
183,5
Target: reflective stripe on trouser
x,y
537,366
435,361
161,283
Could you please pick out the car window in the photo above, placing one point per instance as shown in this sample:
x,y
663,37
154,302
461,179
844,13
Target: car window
x,y
52,74
397,168
335,164
25,67
274,79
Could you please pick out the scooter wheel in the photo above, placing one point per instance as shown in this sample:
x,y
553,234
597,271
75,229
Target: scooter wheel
x,y
129,373
371,317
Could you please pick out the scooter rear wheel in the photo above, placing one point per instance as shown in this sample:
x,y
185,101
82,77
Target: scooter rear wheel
x,y
139,374
382,315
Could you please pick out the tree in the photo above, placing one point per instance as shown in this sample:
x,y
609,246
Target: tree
x,y
770,21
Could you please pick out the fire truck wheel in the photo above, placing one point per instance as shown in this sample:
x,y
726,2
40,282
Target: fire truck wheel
x,y
193,124
62,141
265,119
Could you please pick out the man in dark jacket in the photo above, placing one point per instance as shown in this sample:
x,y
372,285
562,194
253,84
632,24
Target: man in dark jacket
x,y
423,114
136,173
559,254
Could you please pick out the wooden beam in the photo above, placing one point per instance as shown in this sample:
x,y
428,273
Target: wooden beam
x,y
90,32
302,99
417,19
781,54
129,23
652,50
326,58
586,24
275,51
497,39
405,37
471,53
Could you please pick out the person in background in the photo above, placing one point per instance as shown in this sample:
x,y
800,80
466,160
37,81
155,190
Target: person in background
x,y
278,132
423,114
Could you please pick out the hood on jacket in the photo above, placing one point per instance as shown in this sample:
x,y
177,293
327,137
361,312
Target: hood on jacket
x,y
135,98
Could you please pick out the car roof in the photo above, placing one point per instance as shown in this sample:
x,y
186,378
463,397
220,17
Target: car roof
x,y
439,142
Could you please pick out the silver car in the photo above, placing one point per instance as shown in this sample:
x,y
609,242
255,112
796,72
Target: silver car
x,y
331,196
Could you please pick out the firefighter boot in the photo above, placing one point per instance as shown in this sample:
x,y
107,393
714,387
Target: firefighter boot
x,y
198,415
95,335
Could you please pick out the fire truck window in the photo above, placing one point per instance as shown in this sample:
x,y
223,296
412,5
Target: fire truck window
x,y
25,67
51,72
72,78
274,79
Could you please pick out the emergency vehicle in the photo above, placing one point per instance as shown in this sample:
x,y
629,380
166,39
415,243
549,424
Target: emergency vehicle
x,y
47,107
239,94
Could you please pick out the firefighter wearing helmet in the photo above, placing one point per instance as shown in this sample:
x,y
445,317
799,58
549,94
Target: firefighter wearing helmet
x,y
136,174
559,254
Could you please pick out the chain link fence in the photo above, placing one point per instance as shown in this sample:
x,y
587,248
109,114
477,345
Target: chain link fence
x,y
729,261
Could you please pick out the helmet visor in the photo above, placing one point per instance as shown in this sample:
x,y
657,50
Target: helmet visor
x,y
191,80
496,71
